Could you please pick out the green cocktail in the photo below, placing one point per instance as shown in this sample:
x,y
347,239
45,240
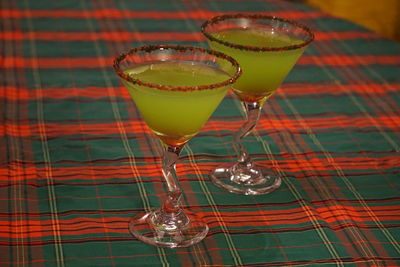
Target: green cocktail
x,y
262,72
176,89
176,116
266,48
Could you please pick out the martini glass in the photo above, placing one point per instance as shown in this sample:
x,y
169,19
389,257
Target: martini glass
x,y
176,89
266,48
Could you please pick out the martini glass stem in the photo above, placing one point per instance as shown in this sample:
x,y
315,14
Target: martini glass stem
x,y
170,156
244,176
252,110
169,226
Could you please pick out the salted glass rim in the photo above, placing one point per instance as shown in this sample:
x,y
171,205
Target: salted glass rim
x,y
179,48
217,19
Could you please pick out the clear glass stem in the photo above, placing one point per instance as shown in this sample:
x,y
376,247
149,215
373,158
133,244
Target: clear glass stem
x,y
170,156
169,226
244,176
252,110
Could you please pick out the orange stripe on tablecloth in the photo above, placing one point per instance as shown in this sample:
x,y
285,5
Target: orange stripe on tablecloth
x,y
138,126
123,36
91,62
149,14
286,217
151,171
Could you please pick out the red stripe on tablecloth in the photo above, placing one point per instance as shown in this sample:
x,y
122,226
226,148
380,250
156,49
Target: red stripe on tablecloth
x,y
320,123
151,14
90,62
361,88
123,36
326,36
345,60
152,170
14,93
138,126
331,215
119,36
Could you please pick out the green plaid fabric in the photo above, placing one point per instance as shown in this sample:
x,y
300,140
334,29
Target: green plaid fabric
x,y
77,162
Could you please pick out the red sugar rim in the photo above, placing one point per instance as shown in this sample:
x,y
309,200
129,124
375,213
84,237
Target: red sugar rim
x,y
180,48
217,19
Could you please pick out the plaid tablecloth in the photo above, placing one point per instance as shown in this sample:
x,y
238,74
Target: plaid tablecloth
x,y
76,160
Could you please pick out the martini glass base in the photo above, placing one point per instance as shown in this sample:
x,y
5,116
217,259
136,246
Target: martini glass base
x,y
168,230
252,180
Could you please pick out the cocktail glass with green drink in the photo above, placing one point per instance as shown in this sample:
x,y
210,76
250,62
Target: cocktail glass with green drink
x,y
176,89
266,48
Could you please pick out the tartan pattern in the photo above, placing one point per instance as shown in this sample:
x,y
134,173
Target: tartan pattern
x,y
77,161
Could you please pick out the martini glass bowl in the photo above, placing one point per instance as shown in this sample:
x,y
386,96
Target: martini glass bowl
x,y
267,48
176,89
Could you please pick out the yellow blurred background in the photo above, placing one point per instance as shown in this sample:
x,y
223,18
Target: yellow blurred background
x,y
382,16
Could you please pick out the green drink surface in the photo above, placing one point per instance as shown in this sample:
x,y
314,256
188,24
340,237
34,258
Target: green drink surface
x,y
175,116
263,71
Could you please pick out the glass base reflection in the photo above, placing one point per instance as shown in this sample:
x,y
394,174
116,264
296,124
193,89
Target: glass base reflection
x,y
249,179
168,229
